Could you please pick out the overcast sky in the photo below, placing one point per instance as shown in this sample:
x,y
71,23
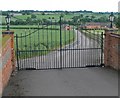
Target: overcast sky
x,y
70,5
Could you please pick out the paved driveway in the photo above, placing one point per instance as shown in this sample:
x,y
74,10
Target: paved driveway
x,y
65,82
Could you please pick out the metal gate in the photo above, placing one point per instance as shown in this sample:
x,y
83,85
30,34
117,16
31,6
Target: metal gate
x,y
57,45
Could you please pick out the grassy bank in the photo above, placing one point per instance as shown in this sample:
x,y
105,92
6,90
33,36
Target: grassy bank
x,y
94,34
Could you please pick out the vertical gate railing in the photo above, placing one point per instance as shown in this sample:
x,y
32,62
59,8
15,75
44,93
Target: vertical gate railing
x,y
17,51
102,53
58,44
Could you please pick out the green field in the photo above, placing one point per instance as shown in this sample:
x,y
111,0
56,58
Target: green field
x,y
43,39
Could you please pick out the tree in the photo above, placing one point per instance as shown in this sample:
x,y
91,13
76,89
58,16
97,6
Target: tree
x,y
23,13
103,19
117,22
92,18
43,13
66,12
29,20
18,22
4,13
81,16
33,16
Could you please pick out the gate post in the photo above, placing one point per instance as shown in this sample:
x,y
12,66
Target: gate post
x,y
102,53
11,34
8,57
17,51
111,49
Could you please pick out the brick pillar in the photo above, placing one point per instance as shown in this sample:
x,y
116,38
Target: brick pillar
x,y
11,34
107,47
112,49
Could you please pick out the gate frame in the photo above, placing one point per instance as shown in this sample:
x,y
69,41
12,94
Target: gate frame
x,y
102,42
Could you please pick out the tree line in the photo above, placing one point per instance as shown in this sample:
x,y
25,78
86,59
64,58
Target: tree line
x,y
80,18
75,19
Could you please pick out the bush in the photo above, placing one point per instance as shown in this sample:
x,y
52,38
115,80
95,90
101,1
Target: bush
x,y
33,16
117,22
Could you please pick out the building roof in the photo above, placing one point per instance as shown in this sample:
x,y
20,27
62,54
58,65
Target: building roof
x,y
97,24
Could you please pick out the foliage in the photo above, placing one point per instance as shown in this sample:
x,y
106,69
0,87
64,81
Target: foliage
x,y
30,17
43,13
33,16
117,21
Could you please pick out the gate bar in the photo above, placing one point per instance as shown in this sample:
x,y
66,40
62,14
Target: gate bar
x,y
60,43
102,49
17,51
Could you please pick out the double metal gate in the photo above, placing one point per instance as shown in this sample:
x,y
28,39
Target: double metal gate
x,y
57,45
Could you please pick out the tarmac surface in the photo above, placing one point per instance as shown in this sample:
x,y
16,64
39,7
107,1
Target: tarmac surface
x,y
64,82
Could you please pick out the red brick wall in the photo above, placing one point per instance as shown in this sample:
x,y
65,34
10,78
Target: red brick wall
x,y
8,60
112,50
0,82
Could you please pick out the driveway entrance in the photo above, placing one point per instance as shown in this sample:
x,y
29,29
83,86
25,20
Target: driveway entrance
x,y
52,46
65,82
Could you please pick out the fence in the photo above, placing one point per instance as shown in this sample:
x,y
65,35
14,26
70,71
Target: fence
x,y
112,49
8,64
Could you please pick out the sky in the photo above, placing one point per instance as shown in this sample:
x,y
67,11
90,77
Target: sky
x,y
69,5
